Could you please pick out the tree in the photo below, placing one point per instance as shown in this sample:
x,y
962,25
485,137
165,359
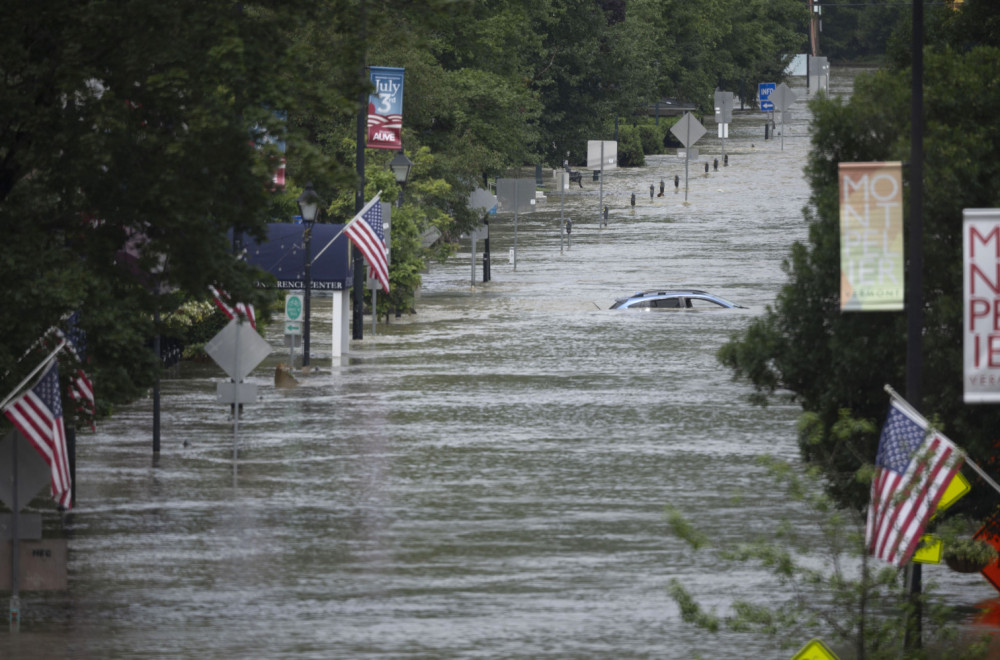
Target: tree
x,y
132,140
830,361
833,588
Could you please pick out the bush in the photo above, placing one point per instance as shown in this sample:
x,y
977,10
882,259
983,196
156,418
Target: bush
x,y
630,152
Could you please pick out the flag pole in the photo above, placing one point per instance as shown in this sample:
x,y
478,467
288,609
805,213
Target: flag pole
x,y
968,461
42,365
344,228
32,347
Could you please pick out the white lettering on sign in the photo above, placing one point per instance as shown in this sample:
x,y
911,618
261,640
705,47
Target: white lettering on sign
x,y
871,218
869,225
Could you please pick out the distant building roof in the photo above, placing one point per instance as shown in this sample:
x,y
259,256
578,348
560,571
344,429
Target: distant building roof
x,y
670,107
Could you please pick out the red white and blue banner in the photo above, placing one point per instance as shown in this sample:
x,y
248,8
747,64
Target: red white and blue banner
x,y
385,108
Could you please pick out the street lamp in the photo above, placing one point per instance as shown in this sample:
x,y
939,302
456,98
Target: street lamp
x,y
400,166
309,203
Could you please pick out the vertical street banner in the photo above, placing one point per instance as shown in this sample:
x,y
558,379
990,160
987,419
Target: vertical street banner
x,y
871,237
981,309
385,108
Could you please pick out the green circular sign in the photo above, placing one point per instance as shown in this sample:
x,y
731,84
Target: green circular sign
x,y
293,307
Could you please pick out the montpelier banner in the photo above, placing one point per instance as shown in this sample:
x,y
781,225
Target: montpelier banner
x,y
871,237
981,309
385,108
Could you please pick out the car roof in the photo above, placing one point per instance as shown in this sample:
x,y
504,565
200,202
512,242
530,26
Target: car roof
x,y
670,292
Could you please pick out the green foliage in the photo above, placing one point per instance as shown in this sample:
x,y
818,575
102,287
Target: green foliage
x,y
830,361
652,135
127,150
833,589
630,152
685,530
152,127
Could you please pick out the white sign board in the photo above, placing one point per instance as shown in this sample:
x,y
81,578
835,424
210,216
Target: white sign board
x,y
236,393
238,349
602,154
981,295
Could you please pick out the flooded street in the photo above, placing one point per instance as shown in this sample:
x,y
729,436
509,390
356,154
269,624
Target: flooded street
x,y
486,478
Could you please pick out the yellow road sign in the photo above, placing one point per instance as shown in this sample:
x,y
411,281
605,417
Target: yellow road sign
x,y
930,550
815,650
956,489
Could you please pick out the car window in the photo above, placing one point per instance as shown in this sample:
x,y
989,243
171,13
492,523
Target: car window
x,y
702,303
642,304
667,303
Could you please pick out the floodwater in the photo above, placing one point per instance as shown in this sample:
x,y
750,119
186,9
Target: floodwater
x,y
486,478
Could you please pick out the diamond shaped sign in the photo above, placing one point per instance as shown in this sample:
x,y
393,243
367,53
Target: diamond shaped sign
x,y
688,129
238,349
33,472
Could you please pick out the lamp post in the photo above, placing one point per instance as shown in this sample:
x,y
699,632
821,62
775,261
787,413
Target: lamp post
x,y
400,166
309,209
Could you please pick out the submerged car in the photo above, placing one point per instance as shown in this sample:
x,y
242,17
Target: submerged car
x,y
676,299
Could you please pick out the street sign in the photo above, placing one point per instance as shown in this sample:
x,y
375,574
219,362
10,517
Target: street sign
x,y
293,328
481,201
815,650
516,195
764,91
41,565
236,393
688,129
29,526
957,488
929,550
294,305
251,346
33,473
602,154
723,107
783,97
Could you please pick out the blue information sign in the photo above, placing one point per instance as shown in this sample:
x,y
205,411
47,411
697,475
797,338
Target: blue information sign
x,y
764,92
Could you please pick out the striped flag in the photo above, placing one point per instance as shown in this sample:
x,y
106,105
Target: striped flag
x,y
912,470
366,232
38,415
231,311
81,389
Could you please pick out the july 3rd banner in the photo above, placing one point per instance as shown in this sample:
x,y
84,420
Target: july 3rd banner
x,y
385,108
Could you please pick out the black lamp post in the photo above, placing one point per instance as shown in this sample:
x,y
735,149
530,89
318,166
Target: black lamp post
x,y
400,166
309,203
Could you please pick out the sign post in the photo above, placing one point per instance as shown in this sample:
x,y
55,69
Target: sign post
x,y
293,318
238,349
601,155
517,195
723,116
688,130
26,475
783,97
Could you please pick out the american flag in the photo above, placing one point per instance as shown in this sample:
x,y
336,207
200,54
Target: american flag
x,y
38,415
912,470
366,232
81,389
221,299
